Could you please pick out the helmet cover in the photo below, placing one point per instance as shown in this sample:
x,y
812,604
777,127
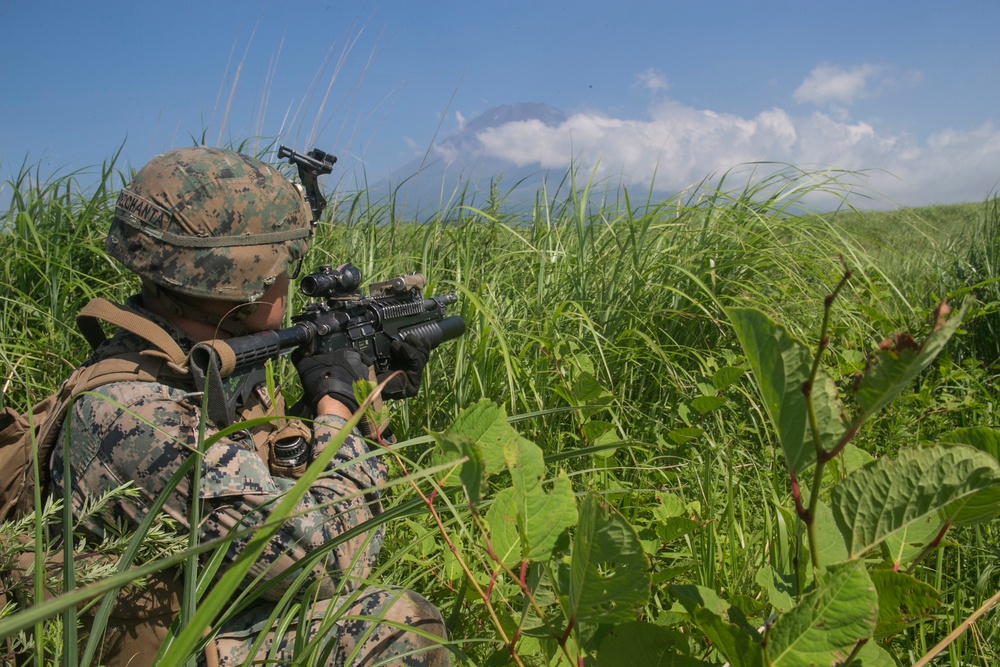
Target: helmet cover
x,y
211,223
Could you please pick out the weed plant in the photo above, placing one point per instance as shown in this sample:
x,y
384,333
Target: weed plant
x,y
597,323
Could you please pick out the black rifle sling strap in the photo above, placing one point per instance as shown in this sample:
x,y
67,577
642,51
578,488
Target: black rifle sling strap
x,y
212,364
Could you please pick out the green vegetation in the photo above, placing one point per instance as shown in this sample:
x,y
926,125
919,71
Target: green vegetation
x,y
617,464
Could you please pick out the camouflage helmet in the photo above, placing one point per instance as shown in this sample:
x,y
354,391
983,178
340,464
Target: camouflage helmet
x,y
211,223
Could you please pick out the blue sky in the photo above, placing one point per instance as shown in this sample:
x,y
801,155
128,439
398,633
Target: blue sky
x,y
682,89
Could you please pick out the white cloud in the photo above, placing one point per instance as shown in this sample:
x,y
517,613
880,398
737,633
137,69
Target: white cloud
x,y
681,145
828,84
652,80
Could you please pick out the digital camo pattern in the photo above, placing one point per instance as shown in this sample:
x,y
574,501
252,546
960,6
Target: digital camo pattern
x,y
144,431
207,222
369,629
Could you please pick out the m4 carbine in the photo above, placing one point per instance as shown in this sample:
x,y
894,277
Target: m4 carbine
x,y
343,318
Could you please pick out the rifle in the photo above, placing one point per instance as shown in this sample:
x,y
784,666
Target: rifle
x,y
394,309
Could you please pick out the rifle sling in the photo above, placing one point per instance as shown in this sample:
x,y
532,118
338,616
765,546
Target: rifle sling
x,y
99,309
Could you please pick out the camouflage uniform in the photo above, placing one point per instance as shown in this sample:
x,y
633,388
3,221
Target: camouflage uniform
x,y
144,431
205,223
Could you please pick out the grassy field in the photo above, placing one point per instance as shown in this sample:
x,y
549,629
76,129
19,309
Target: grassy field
x,y
602,331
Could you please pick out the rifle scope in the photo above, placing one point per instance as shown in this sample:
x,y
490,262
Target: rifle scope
x,y
328,281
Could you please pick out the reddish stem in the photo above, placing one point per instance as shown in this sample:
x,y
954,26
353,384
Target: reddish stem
x,y
823,456
569,629
493,581
931,546
797,495
512,647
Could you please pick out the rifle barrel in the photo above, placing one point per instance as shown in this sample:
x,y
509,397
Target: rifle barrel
x,y
256,348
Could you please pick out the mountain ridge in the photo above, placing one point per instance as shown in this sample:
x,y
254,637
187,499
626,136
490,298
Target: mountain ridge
x,y
460,161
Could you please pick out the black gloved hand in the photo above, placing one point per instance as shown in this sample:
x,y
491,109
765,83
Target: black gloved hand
x,y
409,356
331,374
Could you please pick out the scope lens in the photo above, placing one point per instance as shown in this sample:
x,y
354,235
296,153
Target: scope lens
x,y
331,281
315,284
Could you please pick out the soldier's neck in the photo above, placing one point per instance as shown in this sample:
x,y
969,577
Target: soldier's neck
x,y
198,331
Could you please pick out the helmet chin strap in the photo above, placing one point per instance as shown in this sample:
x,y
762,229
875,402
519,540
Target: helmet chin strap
x,y
179,306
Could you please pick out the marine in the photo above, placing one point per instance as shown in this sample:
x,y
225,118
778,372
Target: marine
x,y
214,241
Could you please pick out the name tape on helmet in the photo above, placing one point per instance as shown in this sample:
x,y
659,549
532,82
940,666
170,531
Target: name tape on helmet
x,y
142,210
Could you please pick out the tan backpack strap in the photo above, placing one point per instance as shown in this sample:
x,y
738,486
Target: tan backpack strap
x,y
114,369
103,310
133,368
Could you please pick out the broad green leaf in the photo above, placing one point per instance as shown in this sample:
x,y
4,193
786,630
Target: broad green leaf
x,y
672,517
555,656
902,547
723,624
671,505
851,458
887,496
540,516
501,517
682,435
780,589
485,424
705,404
599,433
675,527
873,655
645,644
453,447
902,601
569,356
781,366
726,376
899,362
829,540
669,573
828,622
451,567
586,391
500,658
593,429
651,543
982,438
978,508
609,572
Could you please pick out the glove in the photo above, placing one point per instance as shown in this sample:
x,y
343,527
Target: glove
x,y
331,374
409,356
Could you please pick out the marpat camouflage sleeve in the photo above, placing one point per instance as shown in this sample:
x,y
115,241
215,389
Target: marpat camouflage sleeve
x,y
142,432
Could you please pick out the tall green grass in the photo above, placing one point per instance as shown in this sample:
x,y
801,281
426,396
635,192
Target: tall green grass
x,y
596,320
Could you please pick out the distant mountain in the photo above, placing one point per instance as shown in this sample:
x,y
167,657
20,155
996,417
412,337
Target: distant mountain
x,y
459,160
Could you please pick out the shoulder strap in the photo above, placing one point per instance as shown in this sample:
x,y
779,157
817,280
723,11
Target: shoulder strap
x,y
127,368
99,310
208,364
